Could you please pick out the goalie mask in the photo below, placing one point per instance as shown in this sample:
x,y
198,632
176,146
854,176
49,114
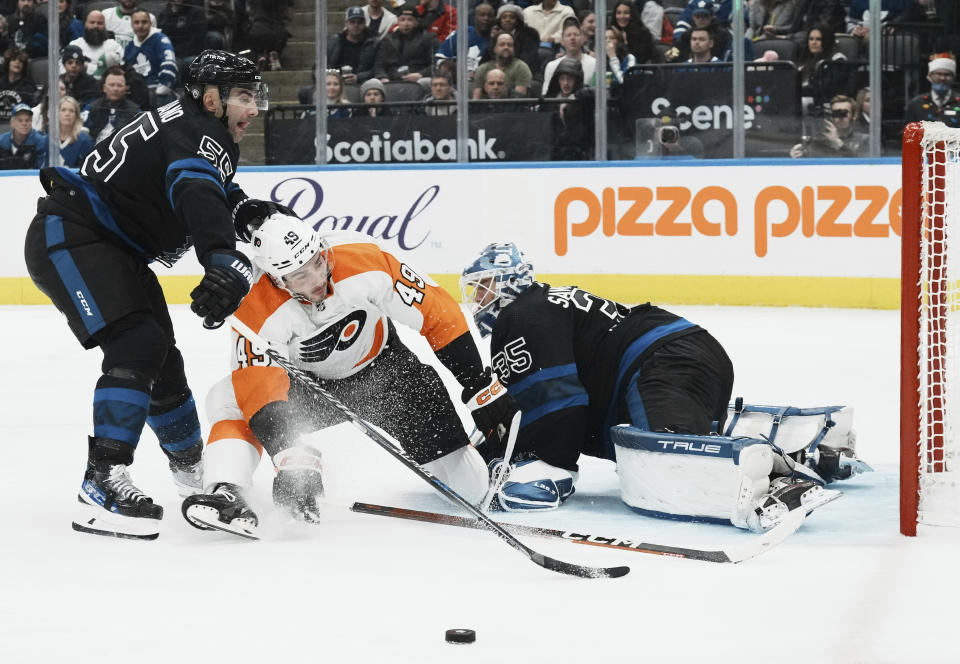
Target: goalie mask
x,y
494,280
295,256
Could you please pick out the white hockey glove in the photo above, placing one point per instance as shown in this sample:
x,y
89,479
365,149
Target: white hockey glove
x,y
163,89
492,408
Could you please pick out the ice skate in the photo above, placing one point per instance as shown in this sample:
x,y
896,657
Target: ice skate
x,y
785,495
111,505
298,486
187,470
222,509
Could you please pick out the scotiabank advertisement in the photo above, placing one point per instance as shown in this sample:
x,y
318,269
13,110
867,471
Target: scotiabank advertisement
x,y
814,221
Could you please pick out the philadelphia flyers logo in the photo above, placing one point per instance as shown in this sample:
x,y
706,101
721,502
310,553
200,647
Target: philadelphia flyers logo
x,y
338,336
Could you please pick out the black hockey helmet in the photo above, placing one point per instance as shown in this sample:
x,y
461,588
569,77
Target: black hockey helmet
x,y
224,70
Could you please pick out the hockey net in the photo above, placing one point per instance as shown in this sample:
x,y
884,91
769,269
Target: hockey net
x,y
930,328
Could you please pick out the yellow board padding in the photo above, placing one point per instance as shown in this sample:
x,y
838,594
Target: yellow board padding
x,y
836,292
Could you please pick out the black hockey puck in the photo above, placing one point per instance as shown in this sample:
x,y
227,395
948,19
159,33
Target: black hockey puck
x,y
461,636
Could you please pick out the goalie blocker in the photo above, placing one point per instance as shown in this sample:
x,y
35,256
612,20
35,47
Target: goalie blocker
x,y
771,460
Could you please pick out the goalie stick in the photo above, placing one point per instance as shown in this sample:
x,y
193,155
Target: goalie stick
x,y
483,521
756,546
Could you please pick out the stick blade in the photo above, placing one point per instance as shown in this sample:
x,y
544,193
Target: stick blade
x,y
582,571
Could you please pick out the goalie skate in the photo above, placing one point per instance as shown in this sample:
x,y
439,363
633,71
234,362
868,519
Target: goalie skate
x,y
786,495
111,505
224,509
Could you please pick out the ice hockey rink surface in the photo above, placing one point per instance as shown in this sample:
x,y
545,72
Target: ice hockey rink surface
x,y
847,588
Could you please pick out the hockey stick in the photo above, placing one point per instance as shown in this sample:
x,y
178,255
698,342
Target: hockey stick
x,y
756,546
396,452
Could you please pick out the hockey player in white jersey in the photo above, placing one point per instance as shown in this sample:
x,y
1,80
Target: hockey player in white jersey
x,y
580,366
332,301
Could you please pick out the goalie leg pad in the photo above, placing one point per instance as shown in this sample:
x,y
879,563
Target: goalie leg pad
x,y
697,478
464,471
535,485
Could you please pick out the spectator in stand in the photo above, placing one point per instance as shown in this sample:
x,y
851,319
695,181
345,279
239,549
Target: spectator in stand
x,y
41,114
28,29
572,46
75,143
526,40
268,31
152,56
701,46
118,20
378,20
831,13
16,86
70,26
546,17
337,102
22,146
113,110
721,11
863,110
80,85
354,47
821,47
101,52
702,16
373,94
837,135
5,41
619,59
441,90
438,17
494,85
588,26
770,19
221,23
567,79
639,40
655,20
516,72
185,25
941,104
858,15
406,53
478,37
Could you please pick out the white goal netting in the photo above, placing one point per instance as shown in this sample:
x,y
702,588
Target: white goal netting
x,y
939,342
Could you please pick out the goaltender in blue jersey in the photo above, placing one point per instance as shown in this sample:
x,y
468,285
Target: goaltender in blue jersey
x,y
650,390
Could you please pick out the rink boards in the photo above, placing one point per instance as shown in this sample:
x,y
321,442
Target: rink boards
x,y
774,232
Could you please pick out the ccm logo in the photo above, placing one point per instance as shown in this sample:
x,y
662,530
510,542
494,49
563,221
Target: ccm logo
x,y
489,394
706,448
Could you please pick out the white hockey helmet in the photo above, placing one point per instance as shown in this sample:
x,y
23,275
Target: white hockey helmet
x,y
283,244
493,280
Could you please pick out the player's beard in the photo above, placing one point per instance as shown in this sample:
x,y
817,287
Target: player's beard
x,y
95,36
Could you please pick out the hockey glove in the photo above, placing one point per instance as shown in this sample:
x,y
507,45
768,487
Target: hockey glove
x,y
227,280
250,213
491,406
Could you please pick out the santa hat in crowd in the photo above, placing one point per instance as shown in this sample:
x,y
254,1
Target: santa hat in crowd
x,y
942,61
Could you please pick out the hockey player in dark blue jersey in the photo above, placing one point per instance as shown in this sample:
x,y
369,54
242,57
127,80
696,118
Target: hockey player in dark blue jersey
x,y
154,188
579,366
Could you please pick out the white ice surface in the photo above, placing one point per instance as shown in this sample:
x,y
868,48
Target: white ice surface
x,y
359,588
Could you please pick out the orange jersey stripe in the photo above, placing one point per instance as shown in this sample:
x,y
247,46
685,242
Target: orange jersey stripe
x,y
235,430
263,299
255,387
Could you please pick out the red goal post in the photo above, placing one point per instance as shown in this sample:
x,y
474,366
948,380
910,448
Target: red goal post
x,y
930,328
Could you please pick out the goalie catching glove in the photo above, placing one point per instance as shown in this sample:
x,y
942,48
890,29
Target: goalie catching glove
x,y
250,213
225,282
492,408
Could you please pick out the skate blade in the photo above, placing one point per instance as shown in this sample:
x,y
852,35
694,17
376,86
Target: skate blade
x,y
208,518
95,520
819,499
